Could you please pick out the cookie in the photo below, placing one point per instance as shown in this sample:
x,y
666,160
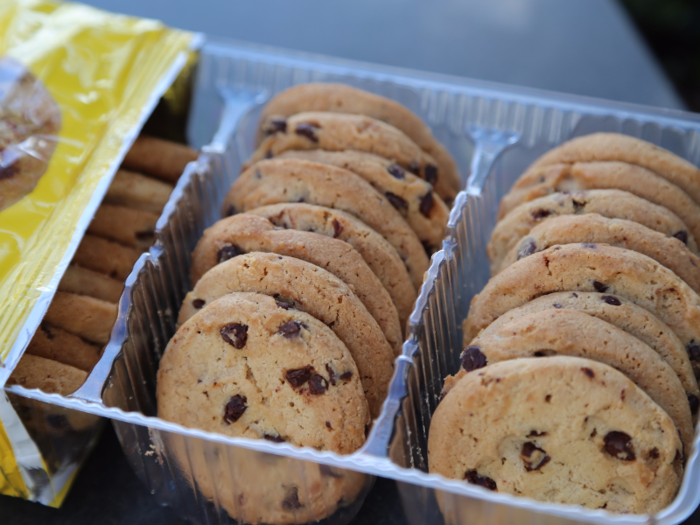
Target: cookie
x,y
294,180
342,131
245,233
105,256
341,98
48,376
51,342
82,281
592,268
304,286
90,318
259,488
380,256
614,204
30,121
160,158
133,228
626,316
558,429
137,191
425,212
623,148
246,366
541,181
568,332
593,228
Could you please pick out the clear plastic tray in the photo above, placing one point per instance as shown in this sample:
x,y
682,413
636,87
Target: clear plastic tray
x,y
494,132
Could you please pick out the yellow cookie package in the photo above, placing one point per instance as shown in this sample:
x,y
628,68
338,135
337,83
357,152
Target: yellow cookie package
x,y
76,86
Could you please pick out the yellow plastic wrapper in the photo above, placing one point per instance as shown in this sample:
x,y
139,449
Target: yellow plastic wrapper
x,y
76,85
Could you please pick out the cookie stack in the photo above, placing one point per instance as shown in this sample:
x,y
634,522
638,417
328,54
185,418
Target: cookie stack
x,y
300,294
80,318
578,381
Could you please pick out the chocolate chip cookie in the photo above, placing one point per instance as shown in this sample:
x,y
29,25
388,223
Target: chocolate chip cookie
x,y
568,332
380,256
47,375
594,228
342,131
614,204
636,180
623,148
425,212
297,284
592,268
294,180
623,314
30,121
246,366
245,233
558,429
341,98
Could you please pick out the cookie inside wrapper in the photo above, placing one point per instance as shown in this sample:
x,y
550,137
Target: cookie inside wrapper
x,y
76,86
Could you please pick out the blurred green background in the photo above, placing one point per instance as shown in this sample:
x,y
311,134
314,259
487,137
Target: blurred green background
x,y
672,31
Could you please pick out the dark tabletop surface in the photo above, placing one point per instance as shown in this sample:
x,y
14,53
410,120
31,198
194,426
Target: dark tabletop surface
x,y
586,47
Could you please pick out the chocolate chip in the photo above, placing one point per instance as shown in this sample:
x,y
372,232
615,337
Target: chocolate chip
x,y
396,201
275,125
413,167
145,235
328,425
7,172
228,252
426,204
556,305
345,376
474,478
431,173
611,300
337,228
588,372
234,409
283,304
290,329
527,247
58,421
308,130
682,236
588,245
198,303
396,171
230,210
534,433
318,385
694,403
235,334
472,358
574,295
619,445
328,471
694,352
274,439
533,456
599,287
653,453
331,374
291,502
298,376
47,331
540,214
